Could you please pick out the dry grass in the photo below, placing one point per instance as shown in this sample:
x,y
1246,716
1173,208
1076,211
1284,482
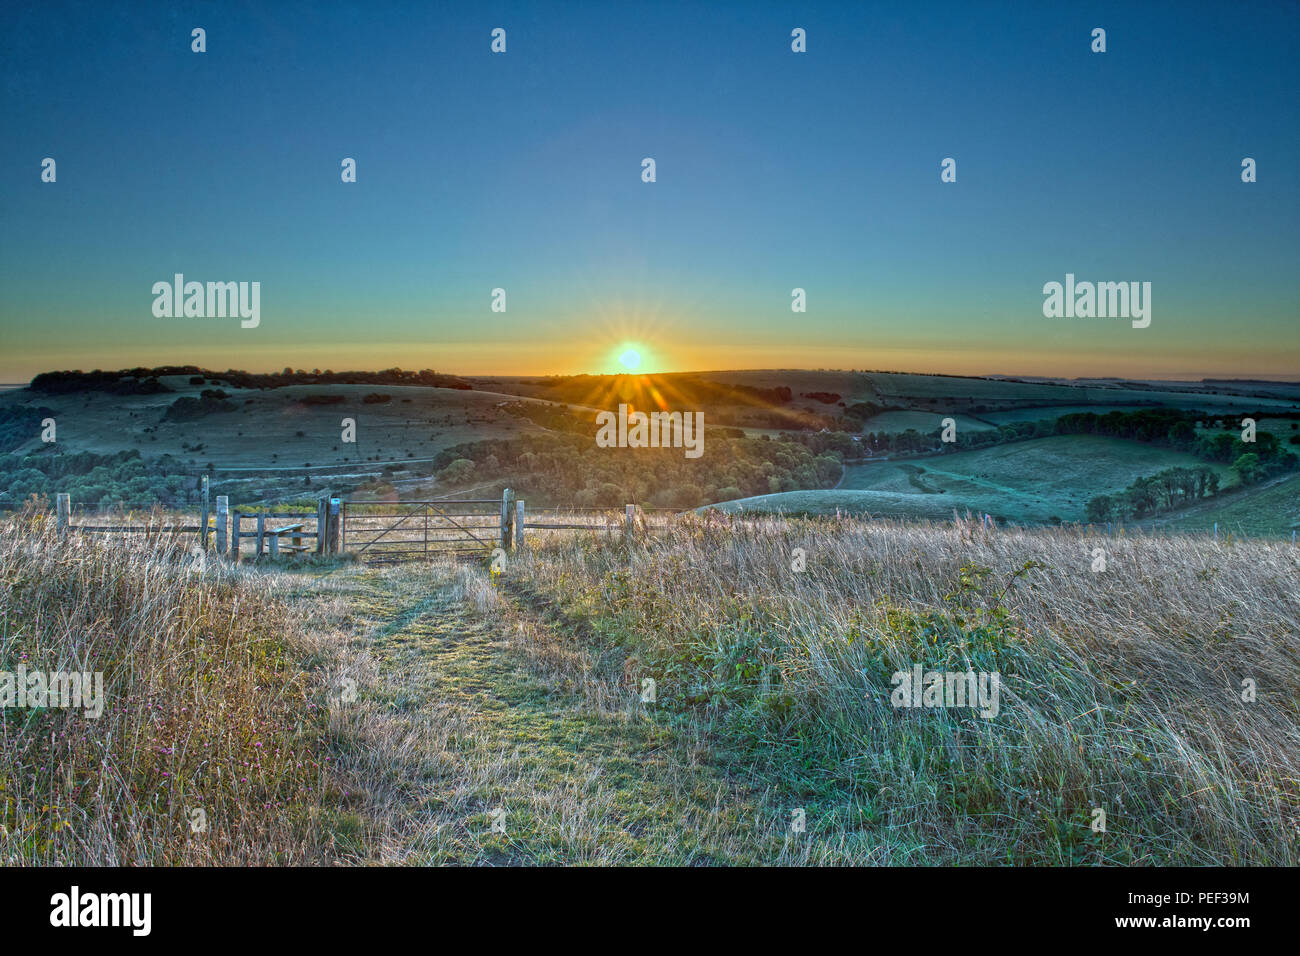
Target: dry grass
x,y
1122,691
1122,688
461,710
208,707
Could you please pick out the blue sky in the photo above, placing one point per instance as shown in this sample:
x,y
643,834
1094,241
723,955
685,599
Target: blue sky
x,y
775,170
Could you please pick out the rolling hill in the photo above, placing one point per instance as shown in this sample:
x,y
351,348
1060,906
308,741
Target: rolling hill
x,y
1029,482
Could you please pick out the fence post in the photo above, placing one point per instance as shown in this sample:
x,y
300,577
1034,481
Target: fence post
x,y
203,519
223,513
519,523
629,520
337,532
63,505
261,533
275,545
234,535
510,519
507,497
322,510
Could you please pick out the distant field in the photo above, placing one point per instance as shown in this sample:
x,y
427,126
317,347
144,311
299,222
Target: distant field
x,y
877,503
1041,397
1271,509
893,385
852,386
995,400
274,427
1032,481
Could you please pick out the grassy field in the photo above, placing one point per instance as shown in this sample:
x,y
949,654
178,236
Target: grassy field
x,y
904,387
339,713
1031,481
276,428
208,707
1270,509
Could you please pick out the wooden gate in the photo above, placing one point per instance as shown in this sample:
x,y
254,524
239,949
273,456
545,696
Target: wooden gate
x,y
385,531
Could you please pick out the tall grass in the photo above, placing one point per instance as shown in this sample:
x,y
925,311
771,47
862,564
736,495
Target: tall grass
x,y
1122,688
207,709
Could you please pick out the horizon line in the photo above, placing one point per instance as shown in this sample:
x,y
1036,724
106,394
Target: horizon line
x,y
1204,379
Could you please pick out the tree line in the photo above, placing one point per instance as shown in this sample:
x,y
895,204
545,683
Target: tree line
x,y
569,469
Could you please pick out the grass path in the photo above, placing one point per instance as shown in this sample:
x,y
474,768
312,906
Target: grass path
x,y
468,702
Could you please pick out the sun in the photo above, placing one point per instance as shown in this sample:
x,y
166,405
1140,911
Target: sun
x,y
630,359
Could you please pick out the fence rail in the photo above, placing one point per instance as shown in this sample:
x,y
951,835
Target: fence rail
x,y
383,531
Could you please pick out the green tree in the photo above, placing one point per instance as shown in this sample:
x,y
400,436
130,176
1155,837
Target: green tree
x,y
1247,468
458,472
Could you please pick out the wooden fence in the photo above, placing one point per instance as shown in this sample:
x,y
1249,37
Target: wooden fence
x,y
374,530
383,531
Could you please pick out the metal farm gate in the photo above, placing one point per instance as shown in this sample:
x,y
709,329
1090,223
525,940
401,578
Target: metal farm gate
x,y
386,531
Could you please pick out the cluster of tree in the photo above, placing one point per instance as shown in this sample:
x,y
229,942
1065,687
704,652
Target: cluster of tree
x,y
1165,490
859,412
1172,427
569,469
1253,461
124,478
1265,456
210,400
556,418
137,381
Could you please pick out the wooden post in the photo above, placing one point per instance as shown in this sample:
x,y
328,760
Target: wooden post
x,y
629,520
322,509
203,519
223,514
261,533
337,532
234,535
275,545
63,505
519,523
506,497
